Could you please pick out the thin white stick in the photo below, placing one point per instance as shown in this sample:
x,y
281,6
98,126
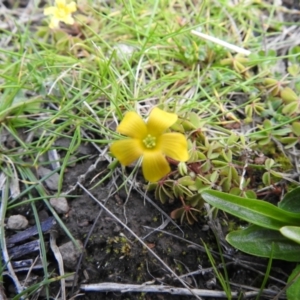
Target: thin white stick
x,y
222,43
145,288
60,263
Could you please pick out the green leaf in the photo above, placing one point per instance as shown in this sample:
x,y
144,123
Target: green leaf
x,y
185,181
206,166
264,141
290,141
195,120
294,70
290,108
214,176
232,139
295,54
226,184
269,163
235,191
267,124
296,128
187,126
161,195
291,201
113,165
293,291
227,155
254,211
291,232
263,242
250,194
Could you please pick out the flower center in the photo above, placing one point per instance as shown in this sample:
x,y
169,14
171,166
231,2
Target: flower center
x,y
149,141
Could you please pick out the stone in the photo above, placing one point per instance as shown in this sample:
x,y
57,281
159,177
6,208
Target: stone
x,y
17,222
60,205
52,181
70,253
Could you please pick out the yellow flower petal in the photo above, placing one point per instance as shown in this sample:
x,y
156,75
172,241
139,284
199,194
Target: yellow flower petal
x,y
159,121
174,145
68,20
54,23
155,166
72,7
133,126
126,151
50,10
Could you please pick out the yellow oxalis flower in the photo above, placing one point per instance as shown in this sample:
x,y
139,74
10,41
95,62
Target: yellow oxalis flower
x,y
151,142
60,12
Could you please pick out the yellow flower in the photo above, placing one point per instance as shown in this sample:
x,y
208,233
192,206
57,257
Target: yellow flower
x,y
151,142
60,12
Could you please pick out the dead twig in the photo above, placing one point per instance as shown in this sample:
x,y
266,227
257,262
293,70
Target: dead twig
x,y
5,254
130,288
60,263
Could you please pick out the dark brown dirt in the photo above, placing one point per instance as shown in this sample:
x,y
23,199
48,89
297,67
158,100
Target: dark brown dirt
x,y
112,254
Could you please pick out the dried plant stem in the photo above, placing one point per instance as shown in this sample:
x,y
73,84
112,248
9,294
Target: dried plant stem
x,y
60,263
221,43
6,258
143,288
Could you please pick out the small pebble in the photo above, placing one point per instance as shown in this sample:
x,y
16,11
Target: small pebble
x,y
17,222
60,205
205,228
70,253
52,181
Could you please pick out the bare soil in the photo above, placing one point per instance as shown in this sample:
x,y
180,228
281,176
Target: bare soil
x,y
112,254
